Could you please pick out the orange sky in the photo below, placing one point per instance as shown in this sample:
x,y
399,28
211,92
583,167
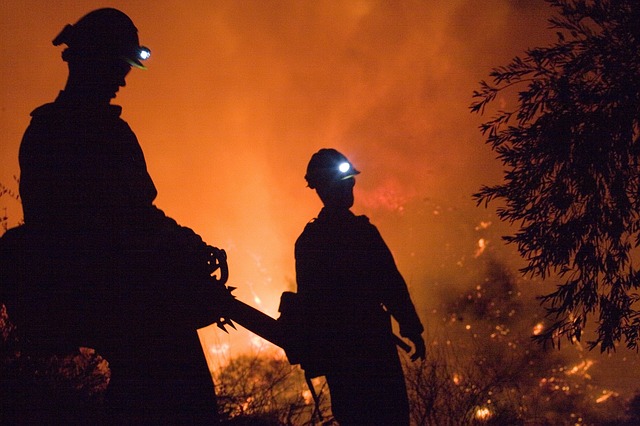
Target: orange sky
x,y
239,94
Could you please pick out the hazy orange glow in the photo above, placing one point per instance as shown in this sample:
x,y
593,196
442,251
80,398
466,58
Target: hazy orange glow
x,y
239,94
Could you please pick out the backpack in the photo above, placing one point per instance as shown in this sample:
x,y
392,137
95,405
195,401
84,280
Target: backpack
x,y
300,347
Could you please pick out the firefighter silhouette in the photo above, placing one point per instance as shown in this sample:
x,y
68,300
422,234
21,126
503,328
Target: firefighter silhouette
x,y
96,263
350,286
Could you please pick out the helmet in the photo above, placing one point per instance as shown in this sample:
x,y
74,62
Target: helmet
x,y
326,166
106,33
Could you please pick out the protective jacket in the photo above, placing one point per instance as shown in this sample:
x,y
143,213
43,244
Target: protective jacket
x,y
350,285
82,168
101,266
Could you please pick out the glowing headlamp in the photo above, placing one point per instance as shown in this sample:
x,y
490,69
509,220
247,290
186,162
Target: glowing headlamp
x,y
328,167
344,167
136,57
144,53
346,170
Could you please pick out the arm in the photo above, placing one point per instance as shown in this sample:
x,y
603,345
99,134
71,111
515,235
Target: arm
x,y
395,296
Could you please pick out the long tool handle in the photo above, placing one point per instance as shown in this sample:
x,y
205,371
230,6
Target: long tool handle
x,y
257,322
401,343
268,328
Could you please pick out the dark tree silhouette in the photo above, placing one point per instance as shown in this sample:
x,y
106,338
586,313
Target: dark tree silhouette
x,y
572,175
266,390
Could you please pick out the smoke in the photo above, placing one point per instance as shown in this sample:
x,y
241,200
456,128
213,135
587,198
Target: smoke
x,y
266,85
238,95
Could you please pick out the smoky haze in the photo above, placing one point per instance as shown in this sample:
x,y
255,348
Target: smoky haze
x,y
238,95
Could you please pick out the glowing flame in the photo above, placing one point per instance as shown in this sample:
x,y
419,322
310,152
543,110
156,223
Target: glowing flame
x,y
482,245
457,379
483,225
580,368
537,329
246,404
483,414
606,394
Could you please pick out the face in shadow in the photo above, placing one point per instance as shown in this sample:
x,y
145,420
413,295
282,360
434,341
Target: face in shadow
x,y
97,79
337,194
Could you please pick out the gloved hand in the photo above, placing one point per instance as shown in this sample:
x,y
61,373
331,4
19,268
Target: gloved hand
x,y
420,350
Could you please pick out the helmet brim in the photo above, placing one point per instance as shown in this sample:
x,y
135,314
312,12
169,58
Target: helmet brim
x,y
134,63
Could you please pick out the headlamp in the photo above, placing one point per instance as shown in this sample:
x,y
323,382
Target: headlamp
x,y
138,55
144,53
345,171
344,167
328,166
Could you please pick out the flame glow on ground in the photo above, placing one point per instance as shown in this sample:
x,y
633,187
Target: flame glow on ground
x,y
238,95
